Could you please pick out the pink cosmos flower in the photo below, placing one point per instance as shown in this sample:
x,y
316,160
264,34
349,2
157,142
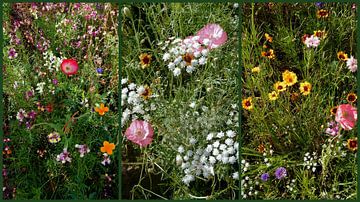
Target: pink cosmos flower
x,y
140,132
212,35
346,116
312,41
351,63
69,66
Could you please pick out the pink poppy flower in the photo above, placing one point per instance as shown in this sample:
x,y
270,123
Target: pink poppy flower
x,y
69,66
212,35
140,132
346,116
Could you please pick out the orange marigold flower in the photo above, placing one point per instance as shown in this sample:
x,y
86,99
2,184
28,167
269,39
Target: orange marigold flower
x,y
102,109
107,148
269,54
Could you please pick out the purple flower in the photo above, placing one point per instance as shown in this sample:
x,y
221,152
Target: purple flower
x,y
265,177
99,70
29,94
106,160
280,173
32,114
55,81
333,128
64,156
83,149
28,125
12,53
319,4
21,115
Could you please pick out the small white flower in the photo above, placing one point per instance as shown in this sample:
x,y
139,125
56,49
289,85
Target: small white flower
x,y
132,86
229,141
216,144
230,133
192,141
212,160
215,152
181,149
202,61
205,52
177,71
235,175
220,135
192,105
351,64
223,147
209,136
166,57
171,66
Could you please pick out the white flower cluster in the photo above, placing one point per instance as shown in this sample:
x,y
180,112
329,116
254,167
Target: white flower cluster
x,y
51,62
185,54
134,101
221,148
290,185
249,188
311,161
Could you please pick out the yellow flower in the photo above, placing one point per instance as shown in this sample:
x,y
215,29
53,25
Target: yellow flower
x,y
320,33
147,93
342,56
273,95
352,144
268,37
269,54
255,70
102,109
289,78
351,97
305,88
145,60
247,103
333,110
322,13
280,86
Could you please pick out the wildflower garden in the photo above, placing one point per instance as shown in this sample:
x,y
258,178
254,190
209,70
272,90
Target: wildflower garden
x,y
214,106
299,101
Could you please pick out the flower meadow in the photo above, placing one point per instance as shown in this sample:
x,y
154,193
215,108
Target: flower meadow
x,y
179,101
60,89
299,103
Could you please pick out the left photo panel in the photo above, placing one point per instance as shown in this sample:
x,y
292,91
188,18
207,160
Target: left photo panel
x,y
60,95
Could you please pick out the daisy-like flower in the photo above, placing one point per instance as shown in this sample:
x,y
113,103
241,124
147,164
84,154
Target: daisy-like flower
x,y
322,13
289,78
54,137
351,64
351,97
305,88
312,41
107,148
140,132
69,66
280,86
247,103
280,173
146,92
102,109
145,60
12,53
268,54
64,156
333,110
273,95
352,144
342,56
320,33
83,149
268,38
255,70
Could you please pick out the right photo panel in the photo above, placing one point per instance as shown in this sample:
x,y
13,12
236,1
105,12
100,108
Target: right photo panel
x,y
299,111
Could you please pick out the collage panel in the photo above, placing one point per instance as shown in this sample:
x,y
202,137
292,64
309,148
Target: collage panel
x,y
179,101
60,90
299,102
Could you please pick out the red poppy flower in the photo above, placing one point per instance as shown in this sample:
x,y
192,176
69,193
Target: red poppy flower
x,y
69,66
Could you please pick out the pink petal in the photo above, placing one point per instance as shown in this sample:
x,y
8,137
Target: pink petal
x,y
144,128
214,33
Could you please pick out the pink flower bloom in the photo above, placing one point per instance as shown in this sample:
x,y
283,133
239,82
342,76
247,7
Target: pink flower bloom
x,y
64,156
140,132
106,160
346,116
312,41
69,66
83,149
351,63
212,35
